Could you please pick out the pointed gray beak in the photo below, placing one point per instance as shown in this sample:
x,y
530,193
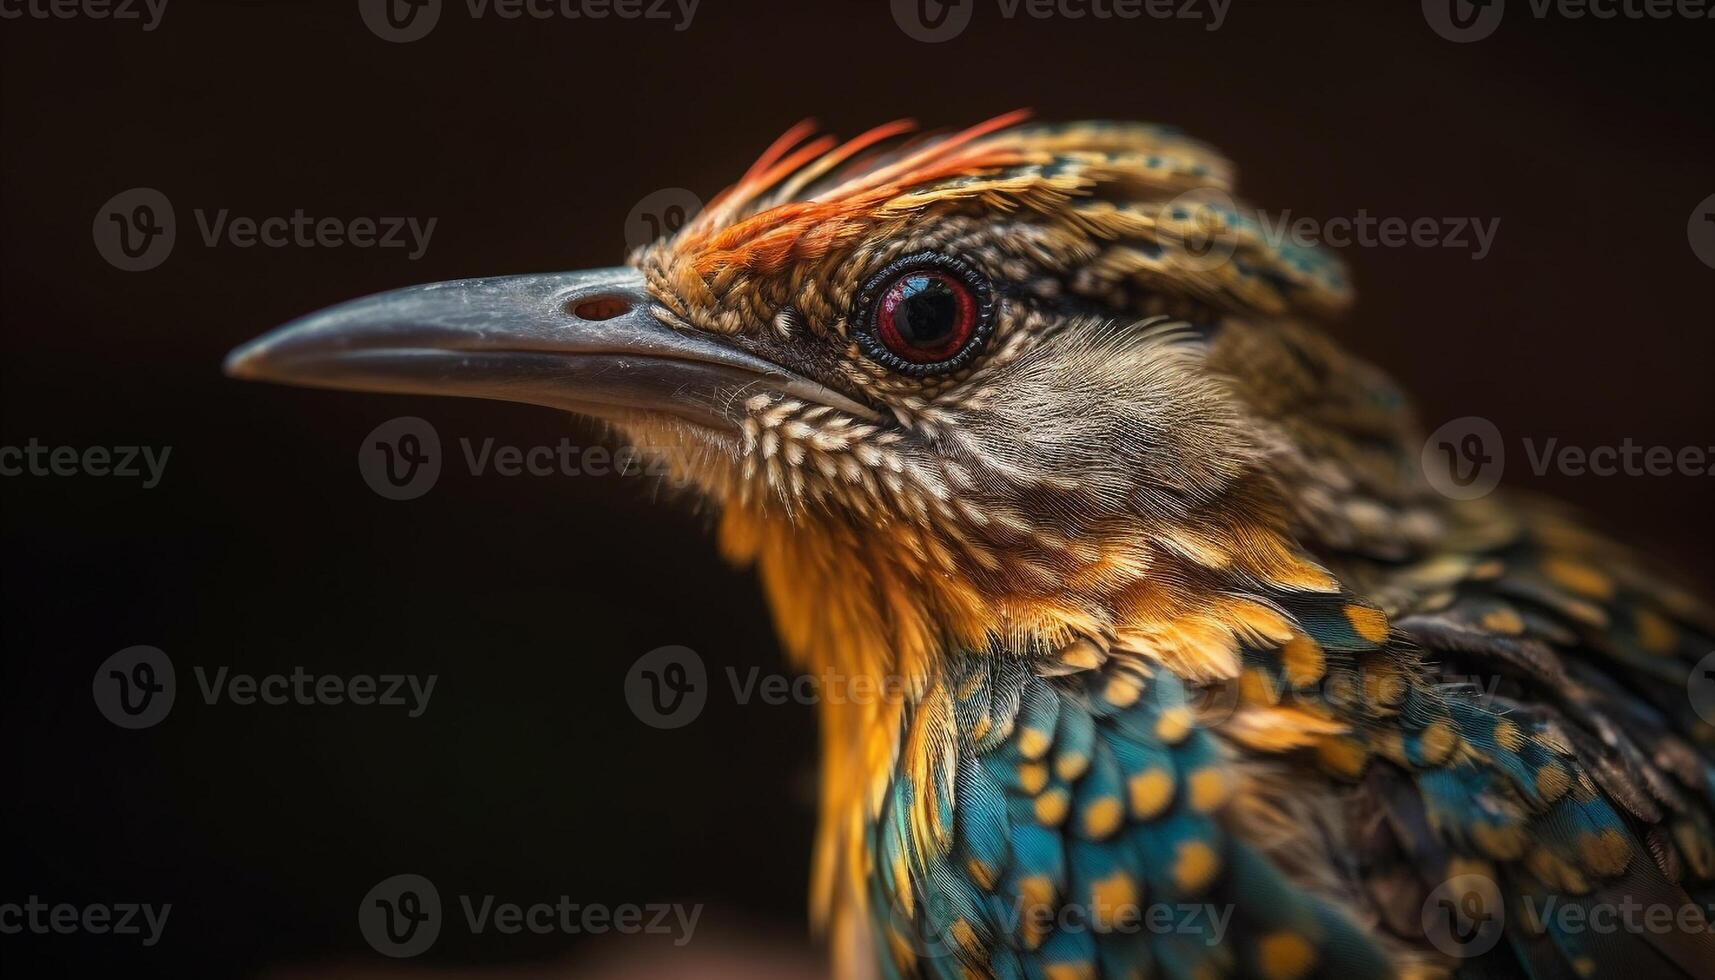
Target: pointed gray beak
x,y
583,342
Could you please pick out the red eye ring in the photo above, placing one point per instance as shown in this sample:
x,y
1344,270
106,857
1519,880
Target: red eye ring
x,y
925,314
928,295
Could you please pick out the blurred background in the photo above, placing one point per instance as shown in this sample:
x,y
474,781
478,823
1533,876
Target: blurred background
x,y
535,144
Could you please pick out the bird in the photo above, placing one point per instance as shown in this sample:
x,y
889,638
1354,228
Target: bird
x,y
1196,668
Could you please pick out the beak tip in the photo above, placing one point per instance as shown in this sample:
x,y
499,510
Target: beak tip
x,y
244,363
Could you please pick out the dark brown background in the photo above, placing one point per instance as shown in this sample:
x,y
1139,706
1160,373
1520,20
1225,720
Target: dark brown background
x,y
530,141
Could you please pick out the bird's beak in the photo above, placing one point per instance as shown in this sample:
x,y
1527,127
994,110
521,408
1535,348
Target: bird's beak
x,y
584,342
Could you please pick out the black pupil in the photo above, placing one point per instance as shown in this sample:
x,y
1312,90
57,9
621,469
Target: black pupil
x,y
928,311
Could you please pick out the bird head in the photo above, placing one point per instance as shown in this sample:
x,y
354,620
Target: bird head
x,y
942,390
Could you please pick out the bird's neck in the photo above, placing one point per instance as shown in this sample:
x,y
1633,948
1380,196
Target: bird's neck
x,y
845,605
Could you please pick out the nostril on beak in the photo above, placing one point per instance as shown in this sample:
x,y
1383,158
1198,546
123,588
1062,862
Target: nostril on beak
x,y
601,308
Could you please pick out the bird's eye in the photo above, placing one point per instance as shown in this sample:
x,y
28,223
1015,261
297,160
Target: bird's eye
x,y
925,314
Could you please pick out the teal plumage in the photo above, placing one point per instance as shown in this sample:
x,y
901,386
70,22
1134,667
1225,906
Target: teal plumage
x,y
1090,850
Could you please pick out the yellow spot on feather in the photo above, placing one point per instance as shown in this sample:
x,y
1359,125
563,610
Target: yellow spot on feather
x,y
1209,789
1112,900
1342,756
1051,808
1196,866
1173,725
1655,634
1303,660
1285,956
1033,744
1150,792
1070,765
1367,622
1032,776
1103,817
1578,577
